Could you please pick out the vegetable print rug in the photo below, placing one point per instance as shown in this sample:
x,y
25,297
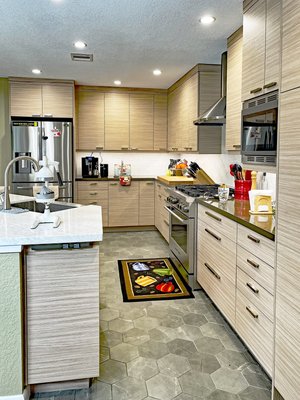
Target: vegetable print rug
x,y
152,279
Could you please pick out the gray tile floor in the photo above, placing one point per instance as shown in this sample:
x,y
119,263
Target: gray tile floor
x,y
175,349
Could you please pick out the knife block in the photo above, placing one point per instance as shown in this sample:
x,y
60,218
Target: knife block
x,y
203,179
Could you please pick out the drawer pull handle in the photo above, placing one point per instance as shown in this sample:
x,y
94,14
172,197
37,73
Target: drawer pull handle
x,y
213,234
93,184
93,203
166,222
251,287
113,184
149,183
159,196
99,147
254,315
253,238
271,84
93,193
213,216
254,264
212,271
256,90
237,146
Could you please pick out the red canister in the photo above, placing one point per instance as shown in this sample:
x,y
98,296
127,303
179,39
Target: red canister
x,y
241,189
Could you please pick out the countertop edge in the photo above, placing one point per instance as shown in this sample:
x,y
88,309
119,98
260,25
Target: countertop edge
x,y
240,221
115,179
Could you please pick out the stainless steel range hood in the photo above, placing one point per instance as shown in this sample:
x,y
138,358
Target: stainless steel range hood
x,y
216,114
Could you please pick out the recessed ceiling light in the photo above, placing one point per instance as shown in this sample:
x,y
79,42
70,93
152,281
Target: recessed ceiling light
x,y
207,19
117,82
157,72
80,44
36,71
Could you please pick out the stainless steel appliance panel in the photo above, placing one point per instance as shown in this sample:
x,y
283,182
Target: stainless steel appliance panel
x,y
26,140
59,146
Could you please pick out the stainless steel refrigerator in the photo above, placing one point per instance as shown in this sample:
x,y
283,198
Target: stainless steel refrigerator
x,y
27,140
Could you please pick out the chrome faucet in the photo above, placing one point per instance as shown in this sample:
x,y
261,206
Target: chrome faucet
x,y
6,205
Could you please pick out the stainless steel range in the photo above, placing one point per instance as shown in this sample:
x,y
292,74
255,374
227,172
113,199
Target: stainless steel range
x,y
182,208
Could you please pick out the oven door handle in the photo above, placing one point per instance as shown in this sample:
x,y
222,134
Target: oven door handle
x,y
183,221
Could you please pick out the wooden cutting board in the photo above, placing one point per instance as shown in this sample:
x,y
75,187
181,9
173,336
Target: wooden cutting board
x,y
176,180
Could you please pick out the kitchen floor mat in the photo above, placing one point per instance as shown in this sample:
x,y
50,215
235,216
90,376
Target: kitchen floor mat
x,y
152,279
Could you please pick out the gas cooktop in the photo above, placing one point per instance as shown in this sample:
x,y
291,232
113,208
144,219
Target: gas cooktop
x,y
198,190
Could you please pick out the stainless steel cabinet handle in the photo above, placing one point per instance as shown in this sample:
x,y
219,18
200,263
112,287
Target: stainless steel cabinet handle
x,y
93,193
166,222
268,85
251,287
113,184
254,264
93,184
48,115
213,234
159,196
213,216
253,238
99,147
212,271
256,90
237,146
149,183
183,221
36,115
254,315
93,203
162,148
124,148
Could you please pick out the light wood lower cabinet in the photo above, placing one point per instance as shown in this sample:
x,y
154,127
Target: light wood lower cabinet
x,y
146,203
123,201
162,219
62,315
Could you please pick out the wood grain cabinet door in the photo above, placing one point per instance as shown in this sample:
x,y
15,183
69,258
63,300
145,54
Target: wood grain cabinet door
x,y
254,26
234,90
62,311
174,120
116,121
141,121
25,99
90,120
123,204
160,122
58,100
290,45
287,333
146,203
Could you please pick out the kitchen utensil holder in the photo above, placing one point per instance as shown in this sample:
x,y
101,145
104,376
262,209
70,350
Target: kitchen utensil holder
x,y
241,189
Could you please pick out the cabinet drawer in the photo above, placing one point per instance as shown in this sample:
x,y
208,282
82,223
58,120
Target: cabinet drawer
x,y
252,329
220,250
92,194
92,185
146,189
222,224
165,228
258,270
257,295
95,202
218,287
257,244
162,189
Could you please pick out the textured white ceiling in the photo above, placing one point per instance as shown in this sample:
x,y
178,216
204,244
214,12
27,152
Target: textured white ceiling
x,y
129,38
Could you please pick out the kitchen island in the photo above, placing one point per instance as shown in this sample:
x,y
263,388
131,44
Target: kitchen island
x,y
49,300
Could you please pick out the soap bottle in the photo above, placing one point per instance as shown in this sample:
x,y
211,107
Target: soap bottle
x,y
263,182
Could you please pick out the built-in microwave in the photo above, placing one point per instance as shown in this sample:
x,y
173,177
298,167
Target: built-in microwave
x,y
259,129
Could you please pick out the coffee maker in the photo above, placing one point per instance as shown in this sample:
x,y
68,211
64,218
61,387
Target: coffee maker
x,y
90,167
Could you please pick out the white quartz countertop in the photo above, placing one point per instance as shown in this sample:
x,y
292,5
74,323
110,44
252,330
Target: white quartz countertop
x,y
82,224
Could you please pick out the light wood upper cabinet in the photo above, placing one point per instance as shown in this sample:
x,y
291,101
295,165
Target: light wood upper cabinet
x,y
58,100
160,122
36,98
287,333
141,121
261,48
116,121
290,45
90,120
25,99
234,90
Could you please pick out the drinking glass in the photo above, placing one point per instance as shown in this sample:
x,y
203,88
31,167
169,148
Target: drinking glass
x,y
223,194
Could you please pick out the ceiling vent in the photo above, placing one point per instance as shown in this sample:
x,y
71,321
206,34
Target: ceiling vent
x,y
82,57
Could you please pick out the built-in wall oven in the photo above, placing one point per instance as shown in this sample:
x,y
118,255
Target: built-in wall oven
x,y
259,130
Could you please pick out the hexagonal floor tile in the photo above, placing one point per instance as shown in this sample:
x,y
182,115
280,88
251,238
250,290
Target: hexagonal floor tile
x,y
152,349
112,371
172,321
258,380
163,387
136,336
196,383
214,330
98,390
124,352
194,319
142,368
103,326
252,393
108,314
204,362
221,395
120,325
233,359
104,353
229,380
173,365
146,323
190,332
232,342
110,338
209,345
129,389
182,347
132,313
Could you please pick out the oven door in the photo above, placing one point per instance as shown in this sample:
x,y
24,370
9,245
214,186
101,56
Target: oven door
x,y
181,240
